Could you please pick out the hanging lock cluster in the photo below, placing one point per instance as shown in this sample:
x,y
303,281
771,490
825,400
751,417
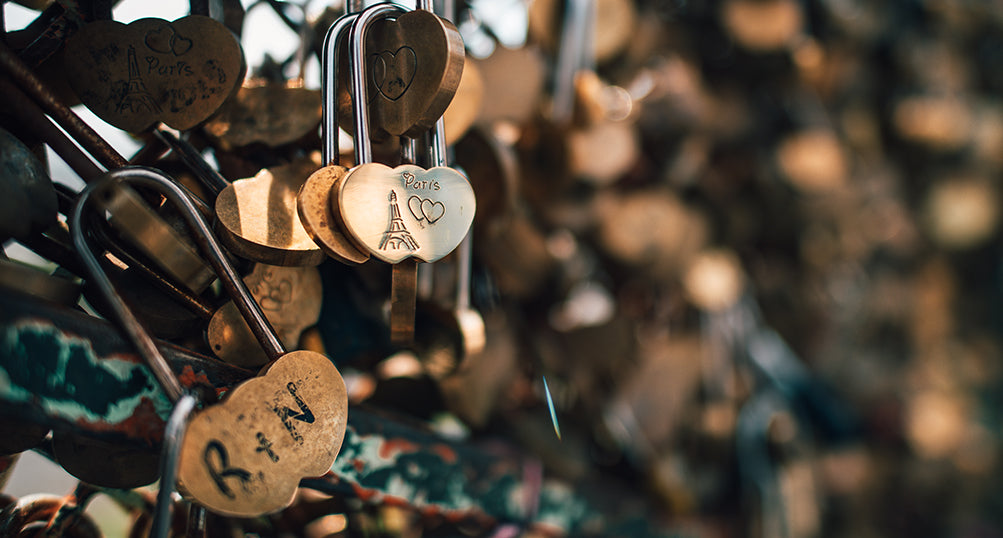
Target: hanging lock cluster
x,y
396,214
214,238
690,218
147,250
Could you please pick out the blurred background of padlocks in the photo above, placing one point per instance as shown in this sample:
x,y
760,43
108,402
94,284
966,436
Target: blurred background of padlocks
x,y
736,264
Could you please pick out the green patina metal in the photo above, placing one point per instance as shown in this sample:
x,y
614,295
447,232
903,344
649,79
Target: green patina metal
x,y
65,375
66,369
429,474
562,508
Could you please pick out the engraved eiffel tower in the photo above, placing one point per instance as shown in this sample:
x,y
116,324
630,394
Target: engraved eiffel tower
x,y
136,97
397,235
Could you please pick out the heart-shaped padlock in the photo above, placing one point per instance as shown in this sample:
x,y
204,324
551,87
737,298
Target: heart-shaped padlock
x,y
243,456
404,212
415,64
152,70
312,203
246,455
399,215
257,216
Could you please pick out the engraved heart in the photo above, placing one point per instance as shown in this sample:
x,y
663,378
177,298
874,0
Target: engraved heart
x,y
289,297
180,45
159,39
393,72
432,210
134,76
414,84
271,303
245,456
440,203
283,293
414,204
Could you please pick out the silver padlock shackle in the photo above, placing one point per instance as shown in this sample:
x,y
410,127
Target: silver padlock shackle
x,y
574,53
157,181
170,458
437,145
203,171
357,67
329,150
363,146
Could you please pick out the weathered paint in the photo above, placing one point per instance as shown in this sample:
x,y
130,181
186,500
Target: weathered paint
x,y
66,376
397,467
190,377
63,367
561,507
447,454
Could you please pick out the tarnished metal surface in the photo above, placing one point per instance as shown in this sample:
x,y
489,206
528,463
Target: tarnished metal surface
x,y
67,119
46,34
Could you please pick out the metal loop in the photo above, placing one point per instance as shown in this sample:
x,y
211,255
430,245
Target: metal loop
x,y
155,180
328,88
755,462
363,146
209,176
170,457
437,144
574,55
196,521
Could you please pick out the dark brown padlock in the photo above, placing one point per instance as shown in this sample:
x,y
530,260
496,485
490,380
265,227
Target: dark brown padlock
x,y
151,70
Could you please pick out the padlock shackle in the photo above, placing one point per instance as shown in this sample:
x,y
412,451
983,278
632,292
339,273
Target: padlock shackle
x,y
355,6
156,180
575,52
329,150
363,145
437,143
128,323
170,458
193,159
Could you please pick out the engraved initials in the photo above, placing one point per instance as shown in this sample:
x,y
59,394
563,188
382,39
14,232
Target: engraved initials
x,y
285,413
264,445
223,471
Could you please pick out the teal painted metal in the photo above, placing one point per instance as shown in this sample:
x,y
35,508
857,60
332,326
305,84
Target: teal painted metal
x,y
65,369
66,378
68,370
